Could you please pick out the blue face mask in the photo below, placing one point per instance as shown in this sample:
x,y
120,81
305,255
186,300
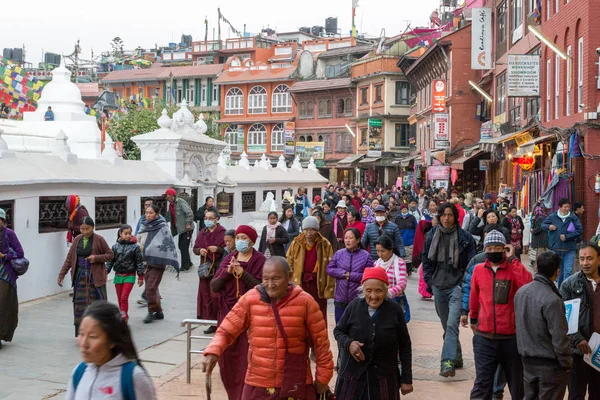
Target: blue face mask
x,y
242,246
405,214
209,223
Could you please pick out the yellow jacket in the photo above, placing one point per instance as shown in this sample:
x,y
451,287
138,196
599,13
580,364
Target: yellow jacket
x,y
295,257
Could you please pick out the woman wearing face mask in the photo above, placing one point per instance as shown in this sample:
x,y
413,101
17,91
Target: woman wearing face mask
x,y
210,246
86,260
481,220
514,224
110,359
239,272
290,224
347,266
274,237
372,335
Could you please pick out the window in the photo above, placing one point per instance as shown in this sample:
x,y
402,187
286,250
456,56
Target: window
x,y
9,207
501,24
231,137
257,136
302,139
282,101
53,215
402,93
257,100
278,138
580,75
189,95
568,82
203,94
531,4
402,135
501,94
556,83
248,201
329,108
309,138
341,107
515,112
111,212
532,107
302,109
215,95
548,8
557,6
363,97
310,109
326,138
343,142
349,109
363,136
234,102
548,88
516,19
378,95
325,108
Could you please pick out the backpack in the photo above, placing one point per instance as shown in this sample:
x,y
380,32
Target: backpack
x,y
126,378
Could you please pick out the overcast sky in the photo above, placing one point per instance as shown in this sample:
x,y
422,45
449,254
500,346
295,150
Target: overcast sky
x,y
56,26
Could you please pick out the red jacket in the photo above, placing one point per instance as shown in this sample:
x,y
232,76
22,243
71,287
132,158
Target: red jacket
x,y
358,225
492,299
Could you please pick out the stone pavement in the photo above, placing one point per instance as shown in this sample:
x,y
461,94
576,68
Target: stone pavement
x,y
38,363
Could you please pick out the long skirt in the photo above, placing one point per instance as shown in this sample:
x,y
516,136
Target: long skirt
x,y
9,311
370,386
85,293
233,364
207,302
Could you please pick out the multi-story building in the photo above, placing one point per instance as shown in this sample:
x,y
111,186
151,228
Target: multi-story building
x,y
196,84
456,122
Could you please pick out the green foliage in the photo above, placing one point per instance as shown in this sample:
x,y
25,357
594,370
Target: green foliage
x,y
122,127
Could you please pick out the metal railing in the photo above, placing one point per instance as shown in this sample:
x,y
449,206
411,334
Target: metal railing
x,y
188,324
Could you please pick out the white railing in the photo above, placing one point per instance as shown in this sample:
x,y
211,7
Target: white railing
x,y
188,324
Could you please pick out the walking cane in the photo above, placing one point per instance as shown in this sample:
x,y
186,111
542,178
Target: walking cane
x,y
208,383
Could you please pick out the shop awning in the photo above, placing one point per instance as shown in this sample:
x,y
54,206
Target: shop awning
x,y
369,160
349,161
489,145
459,162
529,147
406,161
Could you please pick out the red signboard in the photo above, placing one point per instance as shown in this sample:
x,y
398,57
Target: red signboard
x,y
438,86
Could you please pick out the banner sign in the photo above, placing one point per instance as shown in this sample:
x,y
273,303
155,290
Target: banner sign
x,y
572,313
439,96
483,165
523,75
442,144
486,130
440,126
375,138
438,172
481,39
306,150
290,128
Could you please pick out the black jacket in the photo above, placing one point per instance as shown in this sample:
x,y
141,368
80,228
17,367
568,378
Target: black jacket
x,y
199,216
578,287
475,229
127,258
294,229
539,237
277,248
385,336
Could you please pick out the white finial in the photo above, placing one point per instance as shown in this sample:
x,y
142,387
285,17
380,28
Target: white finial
x,y
62,149
296,165
164,121
109,152
221,161
4,151
244,163
201,124
257,164
281,163
264,162
311,165
184,103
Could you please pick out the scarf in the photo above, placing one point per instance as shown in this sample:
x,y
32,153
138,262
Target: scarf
x,y
159,248
539,212
563,217
451,255
72,204
271,229
369,219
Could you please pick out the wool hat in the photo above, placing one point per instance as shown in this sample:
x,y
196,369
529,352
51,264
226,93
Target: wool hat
x,y
403,205
171,191
494,238
380,208
375,273
317,199
310,223
2,214
248,231
341,204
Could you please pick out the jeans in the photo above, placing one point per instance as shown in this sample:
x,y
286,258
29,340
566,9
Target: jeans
x,y
567,259
583,379
544,380
184,246
339,309
448,303
499,381
489,353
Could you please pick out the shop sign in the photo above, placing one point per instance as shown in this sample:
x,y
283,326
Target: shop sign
x,y
441,184
375,137
442,144
483,165
440,127
481,39
438,172
320,163
306,150
240,137
439,96
523,75
290,128
257,148
486,130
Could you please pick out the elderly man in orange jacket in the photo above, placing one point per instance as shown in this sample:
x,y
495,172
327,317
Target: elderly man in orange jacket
x,y
277,315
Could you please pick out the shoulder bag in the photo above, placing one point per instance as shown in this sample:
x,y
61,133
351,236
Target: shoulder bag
x,y
19,265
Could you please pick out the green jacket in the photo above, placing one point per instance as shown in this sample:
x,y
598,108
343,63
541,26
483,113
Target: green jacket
x,y
183,216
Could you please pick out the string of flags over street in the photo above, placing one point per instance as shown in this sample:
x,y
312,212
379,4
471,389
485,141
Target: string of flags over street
x,y
18,89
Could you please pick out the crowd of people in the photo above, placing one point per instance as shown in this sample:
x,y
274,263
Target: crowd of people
x,y
269,290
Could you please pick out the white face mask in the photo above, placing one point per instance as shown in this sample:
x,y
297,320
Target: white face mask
x,y
380,218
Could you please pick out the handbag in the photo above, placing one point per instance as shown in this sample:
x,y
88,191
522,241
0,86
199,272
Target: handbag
x,y
293,381
206,269
19,265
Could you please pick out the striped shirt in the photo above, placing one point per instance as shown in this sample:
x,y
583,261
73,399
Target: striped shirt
x,y
396,272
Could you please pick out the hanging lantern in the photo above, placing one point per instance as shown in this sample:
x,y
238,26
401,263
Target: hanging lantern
x,y
223,203
526,163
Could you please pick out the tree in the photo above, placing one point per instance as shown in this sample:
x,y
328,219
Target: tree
x,y
117,46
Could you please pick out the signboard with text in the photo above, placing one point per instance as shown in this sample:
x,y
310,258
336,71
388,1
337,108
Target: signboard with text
x,y
306,150
485,132
438,96
523,75
290,128
481,39
438,172
442,144
440,126
375,137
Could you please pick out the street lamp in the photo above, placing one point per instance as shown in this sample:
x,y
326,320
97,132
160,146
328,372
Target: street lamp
x,y
547,42
481,91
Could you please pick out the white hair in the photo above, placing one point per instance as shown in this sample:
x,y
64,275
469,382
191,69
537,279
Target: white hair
x,y
361,290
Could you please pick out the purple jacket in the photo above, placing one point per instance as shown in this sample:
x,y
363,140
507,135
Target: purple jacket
x,y
354,262
9,241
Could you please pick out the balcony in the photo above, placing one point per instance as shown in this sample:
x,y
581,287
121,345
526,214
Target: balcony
x,y
208,46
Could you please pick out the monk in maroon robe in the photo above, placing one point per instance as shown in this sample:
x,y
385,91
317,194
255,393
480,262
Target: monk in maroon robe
x,y
239,272
210,246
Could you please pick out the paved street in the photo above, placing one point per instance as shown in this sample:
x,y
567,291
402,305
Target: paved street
x,y
38,363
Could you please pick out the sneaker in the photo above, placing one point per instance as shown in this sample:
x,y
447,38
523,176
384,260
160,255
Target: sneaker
x,y
210,330
447,369
142,302
159,315
149,318
458,363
